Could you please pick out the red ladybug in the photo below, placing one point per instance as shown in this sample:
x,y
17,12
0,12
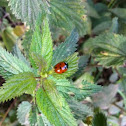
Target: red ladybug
x,y
61,67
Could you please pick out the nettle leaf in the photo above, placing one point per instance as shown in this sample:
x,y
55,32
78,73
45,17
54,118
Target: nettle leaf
x,y
66,49
11,64
26,10
8,37
115,25
88,89
69,90
68,14
91,11
19,55
109,49
33,116
42,43
18,85
39,62
80,110
27,41
72,66
65,87
99,120
38,119
5,74
82,63
3,3
23,112
101,27
120,12
53,106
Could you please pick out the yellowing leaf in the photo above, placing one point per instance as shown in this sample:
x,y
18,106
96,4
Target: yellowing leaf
x,y
19,30
9,38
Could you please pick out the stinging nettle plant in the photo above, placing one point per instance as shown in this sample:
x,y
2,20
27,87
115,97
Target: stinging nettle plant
x,y
50,91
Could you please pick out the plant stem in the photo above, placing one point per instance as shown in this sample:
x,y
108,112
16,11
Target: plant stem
x,y
122,109
118,73
123,96
5,115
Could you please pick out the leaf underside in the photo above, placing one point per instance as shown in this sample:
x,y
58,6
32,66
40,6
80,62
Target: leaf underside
x,y
23,112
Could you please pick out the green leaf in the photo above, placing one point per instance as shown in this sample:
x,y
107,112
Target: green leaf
x,y
27,41
26,10
99,120
114,27
120,12
100,7
122,70
17,85
72,66
101,27
39,62
65,87
3,3
9,38
11,64
33,116
80,110
83,61
23,112
88,89
53,105
109,49
4,73
19,55
42,43
37,118
66,49
68,89
91,11
68,14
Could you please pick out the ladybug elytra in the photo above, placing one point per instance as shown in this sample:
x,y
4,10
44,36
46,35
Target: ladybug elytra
x,y
61,67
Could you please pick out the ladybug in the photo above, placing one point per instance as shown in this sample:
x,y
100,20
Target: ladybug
x,y
61,67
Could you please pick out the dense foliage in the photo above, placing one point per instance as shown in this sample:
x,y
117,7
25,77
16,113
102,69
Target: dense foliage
x,y
87,35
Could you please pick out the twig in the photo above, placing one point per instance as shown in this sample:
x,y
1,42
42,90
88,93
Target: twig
x,y
122,109
5,115
118,73
92,65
